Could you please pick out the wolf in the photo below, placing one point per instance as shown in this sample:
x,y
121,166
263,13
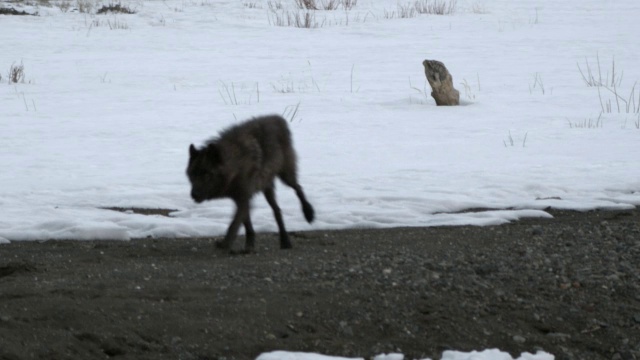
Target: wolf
x,y
243,160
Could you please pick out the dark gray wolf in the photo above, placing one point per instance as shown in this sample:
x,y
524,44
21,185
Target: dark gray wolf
x,y
243,160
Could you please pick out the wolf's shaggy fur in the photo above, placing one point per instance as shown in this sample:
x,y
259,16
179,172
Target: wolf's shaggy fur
x,y
243,160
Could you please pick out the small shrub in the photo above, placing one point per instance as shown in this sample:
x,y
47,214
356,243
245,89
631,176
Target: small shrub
x,y
325,4
112,25
12,11
406,11
349,4
478,8
84,6
436,7
229,96
330,4
16,73
275,5
64,6
623,104
115,8
117,25
277,18
590,79
305,19
252,5
610,83
284,86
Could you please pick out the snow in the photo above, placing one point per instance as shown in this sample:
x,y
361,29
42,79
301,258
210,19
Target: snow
x,y
105,116
111,103
288,355
493,354
489,354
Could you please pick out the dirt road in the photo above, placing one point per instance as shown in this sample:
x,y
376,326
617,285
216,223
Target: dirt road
x,y
568,285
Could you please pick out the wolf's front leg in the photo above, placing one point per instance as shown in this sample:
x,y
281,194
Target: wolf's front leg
x,y
241,216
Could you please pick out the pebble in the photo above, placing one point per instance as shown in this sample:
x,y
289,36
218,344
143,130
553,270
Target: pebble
x,y
536,230
559,336
519,339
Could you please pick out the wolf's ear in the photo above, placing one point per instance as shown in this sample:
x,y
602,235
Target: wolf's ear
x,y
192,150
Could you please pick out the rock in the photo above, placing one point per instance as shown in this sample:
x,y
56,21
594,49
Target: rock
x,y
441,83
345,328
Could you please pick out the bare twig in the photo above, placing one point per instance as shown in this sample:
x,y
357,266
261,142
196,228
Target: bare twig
x,y
290,112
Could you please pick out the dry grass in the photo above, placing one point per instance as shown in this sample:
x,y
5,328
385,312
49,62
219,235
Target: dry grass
x,y
115,8
306,4
436,7
275,5
431,7
610,83
622,104
252,5
64,5
591,79
537,84
16,74
300,19
349,4
112,24
85,6
325,4
478,8
587,123
12,11
403,11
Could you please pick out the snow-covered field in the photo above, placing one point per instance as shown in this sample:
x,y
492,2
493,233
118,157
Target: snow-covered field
x,y
491,354
109,104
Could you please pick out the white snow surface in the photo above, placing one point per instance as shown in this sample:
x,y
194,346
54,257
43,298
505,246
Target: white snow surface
x,y
489,354
110,104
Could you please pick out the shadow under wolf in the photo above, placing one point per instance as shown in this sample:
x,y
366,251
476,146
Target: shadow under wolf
x,y
243,160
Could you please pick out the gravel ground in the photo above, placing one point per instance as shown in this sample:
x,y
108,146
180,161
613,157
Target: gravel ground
x,y
569,286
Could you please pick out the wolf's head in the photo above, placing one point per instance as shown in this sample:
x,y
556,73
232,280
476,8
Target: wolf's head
x,y
206,173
